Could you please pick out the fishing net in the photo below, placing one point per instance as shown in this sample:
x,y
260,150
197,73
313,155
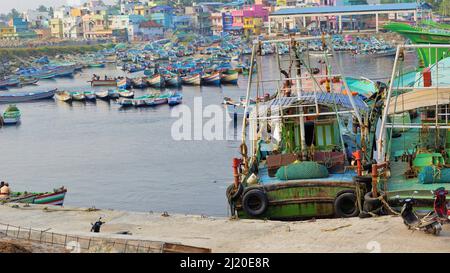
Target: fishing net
x,y
302,170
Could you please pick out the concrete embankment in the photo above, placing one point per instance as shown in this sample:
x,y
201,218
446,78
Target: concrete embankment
x,y
384,234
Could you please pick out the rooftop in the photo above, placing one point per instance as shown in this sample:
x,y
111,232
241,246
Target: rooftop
x,y
343,9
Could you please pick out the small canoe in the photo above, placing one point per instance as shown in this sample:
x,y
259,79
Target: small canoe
x,y
156,81
103,95
126,94
229,77
63,96
123,83
211,79
78,96
11,82
192,79
175,99
12,115
90,96
162,99
45,74
96,65
24,81
55,198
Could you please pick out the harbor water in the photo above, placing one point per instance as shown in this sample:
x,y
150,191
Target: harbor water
x,y
126,159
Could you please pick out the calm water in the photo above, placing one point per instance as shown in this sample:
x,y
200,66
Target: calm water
x,y
126,159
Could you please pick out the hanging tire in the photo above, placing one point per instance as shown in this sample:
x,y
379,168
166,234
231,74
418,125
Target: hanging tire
x,y
233,196
366,180
255,202
345,205
370,203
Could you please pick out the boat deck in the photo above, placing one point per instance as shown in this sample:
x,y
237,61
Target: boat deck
x,y
265,179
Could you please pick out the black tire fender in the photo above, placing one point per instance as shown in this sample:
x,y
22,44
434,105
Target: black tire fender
x,y
370,203
366,180
345,205
233,196
255,202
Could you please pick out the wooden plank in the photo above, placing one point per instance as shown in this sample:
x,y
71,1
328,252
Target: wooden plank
x,y
179,248
419,98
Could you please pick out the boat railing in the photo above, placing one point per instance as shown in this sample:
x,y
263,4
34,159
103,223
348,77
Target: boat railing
x,y
79,243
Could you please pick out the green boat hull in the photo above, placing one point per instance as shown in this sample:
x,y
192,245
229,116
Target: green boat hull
x,y
296,200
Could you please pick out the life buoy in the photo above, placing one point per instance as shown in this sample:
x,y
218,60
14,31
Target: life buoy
x,y
255,202
345,205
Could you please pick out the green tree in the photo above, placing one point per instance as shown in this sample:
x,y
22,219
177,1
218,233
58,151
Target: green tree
x,y
42,8
444,8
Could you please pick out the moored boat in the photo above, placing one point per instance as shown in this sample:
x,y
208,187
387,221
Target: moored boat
x,y
103,82
11,116
172,80
64,96
126,94
156,81
47,198
229,77
15,97
78,96
90,95
126,102
113,94
175,99
103,95
139,83
27,80
211,79
192,79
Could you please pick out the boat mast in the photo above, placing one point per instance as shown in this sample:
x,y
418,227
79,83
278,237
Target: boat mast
x,y
298,86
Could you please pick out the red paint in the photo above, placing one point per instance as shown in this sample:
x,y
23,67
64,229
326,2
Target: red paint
x,y
426,77
236,163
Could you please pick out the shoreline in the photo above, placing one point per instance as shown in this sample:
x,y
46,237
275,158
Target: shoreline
x,y
221,234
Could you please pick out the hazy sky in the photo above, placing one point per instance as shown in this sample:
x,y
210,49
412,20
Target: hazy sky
x,y
23,5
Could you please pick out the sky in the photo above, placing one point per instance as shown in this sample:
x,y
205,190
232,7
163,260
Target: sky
x,y
23,5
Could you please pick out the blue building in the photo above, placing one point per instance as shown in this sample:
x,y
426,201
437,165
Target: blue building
x,y
163,15
227,21
19,24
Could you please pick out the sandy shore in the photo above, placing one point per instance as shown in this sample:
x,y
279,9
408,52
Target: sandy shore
x,y
381,234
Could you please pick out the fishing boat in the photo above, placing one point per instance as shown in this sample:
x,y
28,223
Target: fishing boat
x,y
126,102
103,95
175,99
113,94
9,82
172,81
64,96
11,116
64,71
140,101
44,74
229,77
211,79
16,97
103,82
295,161
78,96
24,81
156,81
414,153
140,82
124,83
55,198
96,65
237,108
192,79
126,94
90,95
159,100
426,33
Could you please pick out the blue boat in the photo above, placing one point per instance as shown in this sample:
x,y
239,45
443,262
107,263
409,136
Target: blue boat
x,y
15,97
211,79
175,99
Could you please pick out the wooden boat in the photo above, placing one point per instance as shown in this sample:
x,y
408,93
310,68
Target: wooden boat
x,y
126,94
172,81
64,96
103,82
24,81
211,79
229,77
123,83
45,74
126,102
140,82
103,95
175,99
78,96
26,96
156,81
90,96
192,79
11,116
64,71
140,101
47,198
113,94
162,99
96,65
10,82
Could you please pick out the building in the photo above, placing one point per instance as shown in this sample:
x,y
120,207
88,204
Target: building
x,y
56,28
251,18
62,12
162,15
43,33
72,27
183,22
149,30
129,23
37,19
334,17
96,26
217,22
201,19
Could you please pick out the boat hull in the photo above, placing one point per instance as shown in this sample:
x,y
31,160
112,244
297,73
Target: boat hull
x,y
56,198
25,97
192,80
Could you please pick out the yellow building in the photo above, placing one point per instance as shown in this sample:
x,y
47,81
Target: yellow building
x,y
142,10
7,32
75,12
56,28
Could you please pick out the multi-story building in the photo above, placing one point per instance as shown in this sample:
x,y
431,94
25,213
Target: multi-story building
x,y
183,22
96,26
72,27
162,15
128,23
37,19
56,28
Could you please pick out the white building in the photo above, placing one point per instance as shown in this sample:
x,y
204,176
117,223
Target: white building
x,y
37,18
61,12
72,27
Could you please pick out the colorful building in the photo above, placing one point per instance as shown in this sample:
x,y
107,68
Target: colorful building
x,y
56,28
162,15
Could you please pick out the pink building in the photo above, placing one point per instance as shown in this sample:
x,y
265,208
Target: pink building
x,y
254,11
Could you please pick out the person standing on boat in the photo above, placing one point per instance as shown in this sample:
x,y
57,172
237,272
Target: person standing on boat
x,y
4,191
